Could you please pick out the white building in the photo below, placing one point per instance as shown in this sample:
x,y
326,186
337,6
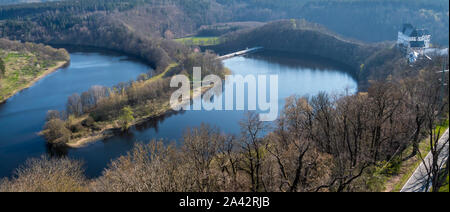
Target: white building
x,y
414,41
410,37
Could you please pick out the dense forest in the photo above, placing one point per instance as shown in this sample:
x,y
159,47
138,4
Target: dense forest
x,y
374,20
139,27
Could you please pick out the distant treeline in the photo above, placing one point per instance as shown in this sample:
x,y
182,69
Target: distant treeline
x,y
8,2
2,68
366,20
41,51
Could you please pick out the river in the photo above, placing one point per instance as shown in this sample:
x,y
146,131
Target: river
x,y
22,116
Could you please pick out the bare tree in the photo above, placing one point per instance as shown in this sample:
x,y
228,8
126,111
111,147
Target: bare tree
x,y
434,113
436,160
292,148
55,132
153,167
345,134
74,106
47,175
201,147
252,130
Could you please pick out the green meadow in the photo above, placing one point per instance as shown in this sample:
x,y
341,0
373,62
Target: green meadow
x,y
199,41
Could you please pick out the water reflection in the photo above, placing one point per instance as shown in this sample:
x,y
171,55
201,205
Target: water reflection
x,y
153,123
303,61
57,151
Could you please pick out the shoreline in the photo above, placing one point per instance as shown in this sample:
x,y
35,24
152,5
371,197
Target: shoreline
x,y
50,70
108,131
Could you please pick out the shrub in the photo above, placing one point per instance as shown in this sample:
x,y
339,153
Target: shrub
x,y
55,132
47,175
88,122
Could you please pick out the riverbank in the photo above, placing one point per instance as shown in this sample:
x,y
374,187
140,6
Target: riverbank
x,y
48,71
110,129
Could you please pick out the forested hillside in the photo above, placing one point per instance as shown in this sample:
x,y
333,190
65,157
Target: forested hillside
x,y
364,61
86,24
145,28
366,20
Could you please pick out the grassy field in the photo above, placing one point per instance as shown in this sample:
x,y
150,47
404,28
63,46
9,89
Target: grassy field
x,y
199,41
21,69
441,128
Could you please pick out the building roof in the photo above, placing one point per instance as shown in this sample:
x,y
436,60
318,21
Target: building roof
x,y
411,31
407,29
419,33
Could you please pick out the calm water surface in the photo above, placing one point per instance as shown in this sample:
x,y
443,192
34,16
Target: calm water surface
x,y
24,114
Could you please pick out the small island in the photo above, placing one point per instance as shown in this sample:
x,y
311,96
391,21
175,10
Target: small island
x,y
23,64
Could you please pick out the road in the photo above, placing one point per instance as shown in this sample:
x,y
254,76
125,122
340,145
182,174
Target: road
x,y
418,181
